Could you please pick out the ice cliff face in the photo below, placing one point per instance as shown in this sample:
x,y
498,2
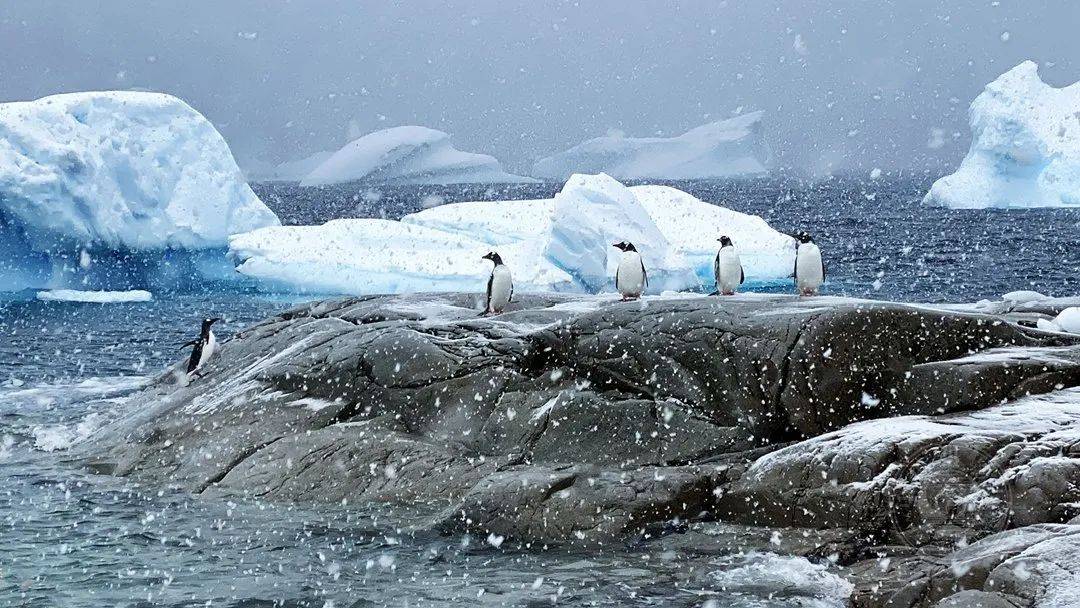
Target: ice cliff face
x,y
95,186
733,147
1025,147
120,170
407,155
560,244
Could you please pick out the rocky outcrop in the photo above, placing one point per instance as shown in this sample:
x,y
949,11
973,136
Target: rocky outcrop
x,y
880,429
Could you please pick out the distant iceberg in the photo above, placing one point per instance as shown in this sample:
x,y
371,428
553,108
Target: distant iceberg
x,y
407,155
289,171
1025,147
728,148
99,297
559,244
84,174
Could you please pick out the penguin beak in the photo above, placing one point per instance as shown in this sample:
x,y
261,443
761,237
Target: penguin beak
x,y
214,320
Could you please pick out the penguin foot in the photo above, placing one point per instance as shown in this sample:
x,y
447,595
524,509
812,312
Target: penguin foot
x,y
715,293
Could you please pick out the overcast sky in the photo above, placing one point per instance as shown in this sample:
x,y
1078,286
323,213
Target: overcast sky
x,y
846,85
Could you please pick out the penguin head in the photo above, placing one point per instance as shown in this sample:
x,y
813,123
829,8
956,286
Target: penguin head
x,y
803,237
624,246
725,241
208,322
494,257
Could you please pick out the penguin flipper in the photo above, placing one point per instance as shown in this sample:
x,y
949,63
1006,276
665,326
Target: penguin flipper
x,y
645,275
187,344
742,275
716,267
487,300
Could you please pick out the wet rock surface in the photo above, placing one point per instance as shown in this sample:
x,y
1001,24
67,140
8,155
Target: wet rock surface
x,y
905,445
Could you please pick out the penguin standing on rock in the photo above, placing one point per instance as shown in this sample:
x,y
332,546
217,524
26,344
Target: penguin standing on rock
x,y
727,268
500,286
809,268
202,348
630,278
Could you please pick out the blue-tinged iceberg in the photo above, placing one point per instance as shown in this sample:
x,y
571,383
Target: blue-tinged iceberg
x,y
727,148
558,244
407,155
1025,147
110,185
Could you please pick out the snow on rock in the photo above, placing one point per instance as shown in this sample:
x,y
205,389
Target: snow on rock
x,y
1023,296
120,170
1067,321
103,297
407,155
733,147
1025,148
560,244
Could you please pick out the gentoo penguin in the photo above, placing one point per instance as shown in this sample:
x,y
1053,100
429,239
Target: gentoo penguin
x,y
202,348
630,278
727,268
500,286
809,269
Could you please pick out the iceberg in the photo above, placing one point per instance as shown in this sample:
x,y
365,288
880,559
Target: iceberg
x,y
727,148
407,155
289,171
1025,147
561,244
85,174
100,297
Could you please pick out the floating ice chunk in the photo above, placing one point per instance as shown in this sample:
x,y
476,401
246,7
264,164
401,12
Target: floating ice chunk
x,y
560,244
1022,296
120,170
103,297
407,155
1025,148
693,226
591,213
365,256
733,147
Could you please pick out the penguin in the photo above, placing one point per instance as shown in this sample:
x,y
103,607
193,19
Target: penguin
x,y
202,348
630,278
500,286
809,269
727,268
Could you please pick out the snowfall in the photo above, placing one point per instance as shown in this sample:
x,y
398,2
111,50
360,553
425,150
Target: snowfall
x,y
407,155
559,244
727,148
1025,147
112,171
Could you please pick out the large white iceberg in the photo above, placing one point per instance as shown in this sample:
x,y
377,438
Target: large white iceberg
x,y
407,155
288,171
115,171
559,244
1025,147
727,148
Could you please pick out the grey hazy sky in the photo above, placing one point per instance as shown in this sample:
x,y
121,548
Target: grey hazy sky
x,y
848,84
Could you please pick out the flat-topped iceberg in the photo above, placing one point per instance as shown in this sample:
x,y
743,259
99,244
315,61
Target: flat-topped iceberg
x,y
407,155
1025,147
113,174
559,244
727,148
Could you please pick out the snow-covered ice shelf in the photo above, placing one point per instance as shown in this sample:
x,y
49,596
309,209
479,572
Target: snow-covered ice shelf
x,y
559,244
727,148
1025,147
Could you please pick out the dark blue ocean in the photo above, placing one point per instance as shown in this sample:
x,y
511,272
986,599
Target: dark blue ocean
x,y
74,539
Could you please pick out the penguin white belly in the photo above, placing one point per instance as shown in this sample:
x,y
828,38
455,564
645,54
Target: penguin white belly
x,y
729,271
630,280
501,287
809,273
207,351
